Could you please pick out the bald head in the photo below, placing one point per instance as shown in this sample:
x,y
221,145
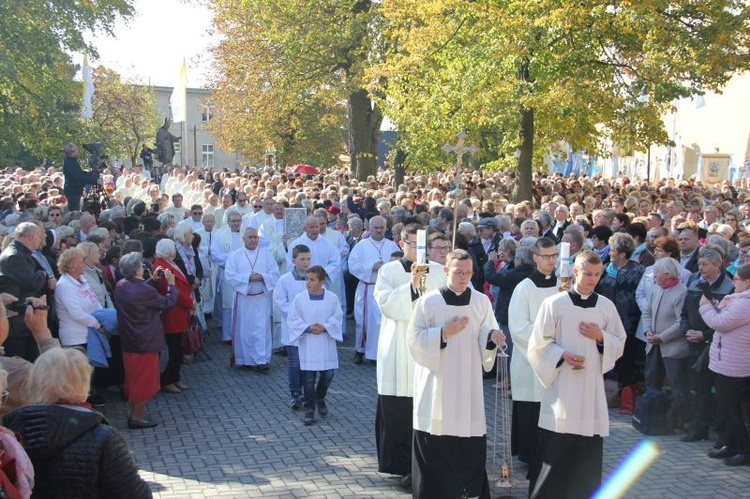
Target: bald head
x,y
312,227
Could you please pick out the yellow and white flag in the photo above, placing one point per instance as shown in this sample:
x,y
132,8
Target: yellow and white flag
x,y
88,89
178,99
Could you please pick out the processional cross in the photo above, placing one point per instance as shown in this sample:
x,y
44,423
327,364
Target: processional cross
x,y
460,149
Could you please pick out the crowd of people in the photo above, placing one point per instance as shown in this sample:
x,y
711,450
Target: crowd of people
x,y
103,287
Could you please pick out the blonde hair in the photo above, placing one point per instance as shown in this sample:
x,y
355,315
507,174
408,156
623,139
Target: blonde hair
x,y
60,376
88,248
68,257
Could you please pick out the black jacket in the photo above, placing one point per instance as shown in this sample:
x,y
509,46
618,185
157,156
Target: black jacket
x,y
691,317
476,250
622,293
76,454
75,180
507,280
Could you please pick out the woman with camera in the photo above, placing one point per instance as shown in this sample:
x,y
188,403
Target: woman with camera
x,y
729,360
139,314
177,319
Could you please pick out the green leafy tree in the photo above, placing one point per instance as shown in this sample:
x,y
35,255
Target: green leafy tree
x,y
521,76
291,73
39,101
125,114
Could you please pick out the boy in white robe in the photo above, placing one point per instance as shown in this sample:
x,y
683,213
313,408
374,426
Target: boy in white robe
x,y
577,337
315,326
452,336
289,286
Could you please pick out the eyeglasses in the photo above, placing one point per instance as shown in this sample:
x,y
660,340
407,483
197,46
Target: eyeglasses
x,y
242,200
441,248
257,206
548,257
411,244
197,213
4,397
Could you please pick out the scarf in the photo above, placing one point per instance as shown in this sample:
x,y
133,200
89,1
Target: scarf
x,y
671,283
188,257
638,250
611,270
603,252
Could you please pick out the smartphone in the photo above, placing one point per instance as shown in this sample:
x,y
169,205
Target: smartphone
x,y
707,292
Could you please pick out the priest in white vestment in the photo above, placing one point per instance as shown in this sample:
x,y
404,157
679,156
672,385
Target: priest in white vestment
x,y
227,240
452,336
252,273
365,260
210,270
396,292
577,337
324,253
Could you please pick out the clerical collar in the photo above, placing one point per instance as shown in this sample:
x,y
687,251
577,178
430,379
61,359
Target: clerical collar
x,y
453,299
583,301
543,281
406,263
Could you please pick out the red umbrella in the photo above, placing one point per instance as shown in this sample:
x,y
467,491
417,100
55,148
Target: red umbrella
x,y
305,169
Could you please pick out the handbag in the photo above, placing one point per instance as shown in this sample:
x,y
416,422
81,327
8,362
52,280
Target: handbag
x,y
192,340
701,362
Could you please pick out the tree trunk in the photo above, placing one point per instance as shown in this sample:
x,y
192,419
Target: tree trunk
x,y
398,167
364,131
522,190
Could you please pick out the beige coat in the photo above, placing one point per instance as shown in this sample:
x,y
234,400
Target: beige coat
x,y
662,316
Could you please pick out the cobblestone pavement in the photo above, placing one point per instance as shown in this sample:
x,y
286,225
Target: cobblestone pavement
x,y
234,435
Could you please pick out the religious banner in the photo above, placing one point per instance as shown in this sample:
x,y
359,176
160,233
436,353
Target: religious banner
x,y
294,222
714,168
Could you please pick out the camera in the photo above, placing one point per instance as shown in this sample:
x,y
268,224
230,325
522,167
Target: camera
x,y
160,273
18,307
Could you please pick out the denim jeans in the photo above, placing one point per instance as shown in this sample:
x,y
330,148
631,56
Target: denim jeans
x,y
313,393
295,381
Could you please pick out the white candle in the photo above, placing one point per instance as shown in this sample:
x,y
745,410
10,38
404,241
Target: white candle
x,y
421,246
564,251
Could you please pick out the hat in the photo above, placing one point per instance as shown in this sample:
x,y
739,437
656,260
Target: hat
x,y
487,223
333,210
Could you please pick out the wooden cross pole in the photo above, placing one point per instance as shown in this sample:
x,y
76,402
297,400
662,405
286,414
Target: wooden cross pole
x,y
460,149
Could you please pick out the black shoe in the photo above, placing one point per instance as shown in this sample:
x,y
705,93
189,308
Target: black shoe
x,y
718,444
359,357
226,342
280,351
738,460
309,417
140,425
296,403
695,437
722,452
263,368
208,316
322,409
405,482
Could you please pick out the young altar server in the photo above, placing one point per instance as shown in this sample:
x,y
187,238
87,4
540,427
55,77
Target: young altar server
x,y
315,326
577,337
287,288
452,336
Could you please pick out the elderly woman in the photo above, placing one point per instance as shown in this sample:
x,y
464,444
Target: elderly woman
x,y
186,258
177,318
75,452
75,300
729,360
139,314
618,283
667,350
94,275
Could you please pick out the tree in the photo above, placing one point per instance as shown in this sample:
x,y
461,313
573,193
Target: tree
x,y
524,76
291,74
125,114
38,98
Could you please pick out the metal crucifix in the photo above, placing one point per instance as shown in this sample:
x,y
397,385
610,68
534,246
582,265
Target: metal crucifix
x,y
460,149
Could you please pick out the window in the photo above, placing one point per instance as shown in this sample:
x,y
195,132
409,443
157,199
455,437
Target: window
x,y
207,155
177,160
206,116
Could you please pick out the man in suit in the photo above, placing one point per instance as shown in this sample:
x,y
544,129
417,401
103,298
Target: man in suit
x,y
75,177
561,222
689,246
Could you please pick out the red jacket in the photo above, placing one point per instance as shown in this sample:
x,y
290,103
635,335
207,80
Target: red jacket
x,y
177,318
